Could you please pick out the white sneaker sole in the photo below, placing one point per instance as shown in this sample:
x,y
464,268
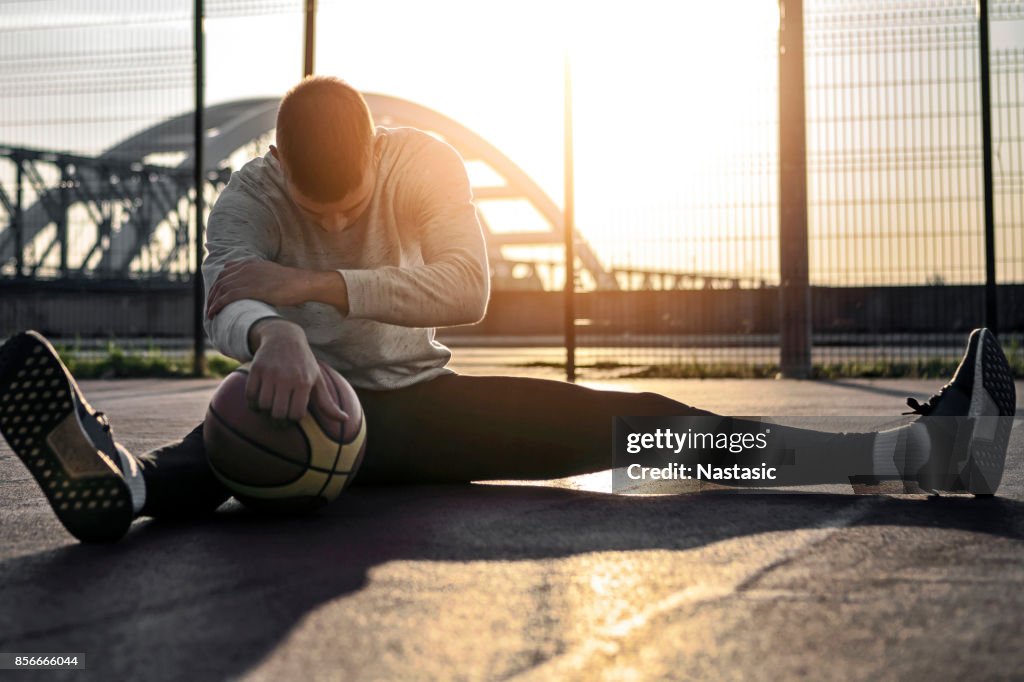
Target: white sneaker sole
x,y
990,419
39,420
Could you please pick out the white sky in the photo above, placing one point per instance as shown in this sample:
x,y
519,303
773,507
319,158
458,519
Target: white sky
x,y
675,101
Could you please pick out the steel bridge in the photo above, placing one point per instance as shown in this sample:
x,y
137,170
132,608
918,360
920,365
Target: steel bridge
x,y
128,212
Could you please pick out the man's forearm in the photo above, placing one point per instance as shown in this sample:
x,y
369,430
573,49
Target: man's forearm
x,y
321,287
439,294
275,285
329,287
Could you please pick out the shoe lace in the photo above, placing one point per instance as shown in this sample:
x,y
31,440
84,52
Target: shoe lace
x,y
103,421
917,407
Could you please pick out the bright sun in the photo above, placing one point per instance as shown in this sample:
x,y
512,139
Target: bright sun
x,y
667,96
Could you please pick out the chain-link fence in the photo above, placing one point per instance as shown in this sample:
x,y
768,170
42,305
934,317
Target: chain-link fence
x,y
897,243
97,148
676,157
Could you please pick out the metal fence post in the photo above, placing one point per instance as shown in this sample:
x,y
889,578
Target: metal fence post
x,y
16,223
794,290
309,39
991,293
199,179
568,218
66,179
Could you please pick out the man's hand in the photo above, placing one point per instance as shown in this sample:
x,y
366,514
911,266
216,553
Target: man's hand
x,y
261,280
284,377
275,285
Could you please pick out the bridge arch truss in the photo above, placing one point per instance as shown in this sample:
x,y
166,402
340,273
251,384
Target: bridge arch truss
x,y
128,213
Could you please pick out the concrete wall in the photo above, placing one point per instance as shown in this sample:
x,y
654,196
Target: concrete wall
x,y
97,309
163,309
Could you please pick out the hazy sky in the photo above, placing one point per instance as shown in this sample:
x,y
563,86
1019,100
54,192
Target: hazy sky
x,y
649,102
675,103
661,95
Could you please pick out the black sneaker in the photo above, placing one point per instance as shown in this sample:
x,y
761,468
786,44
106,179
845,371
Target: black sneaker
x,y
66,444
969,422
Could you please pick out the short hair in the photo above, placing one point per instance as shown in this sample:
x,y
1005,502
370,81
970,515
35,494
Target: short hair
x,y
325,134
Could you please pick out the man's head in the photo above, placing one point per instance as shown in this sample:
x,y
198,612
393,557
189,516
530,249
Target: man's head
x,y
325,136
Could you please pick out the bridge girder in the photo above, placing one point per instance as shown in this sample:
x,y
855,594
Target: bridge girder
x,y
87,181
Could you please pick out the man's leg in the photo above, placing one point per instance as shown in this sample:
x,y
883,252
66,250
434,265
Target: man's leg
x,y
179,482
458,428
462,428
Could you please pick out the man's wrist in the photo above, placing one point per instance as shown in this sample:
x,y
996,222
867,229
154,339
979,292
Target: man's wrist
x,y
329,287
266,327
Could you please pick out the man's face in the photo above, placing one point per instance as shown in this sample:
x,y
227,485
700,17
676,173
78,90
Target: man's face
x,y
334,216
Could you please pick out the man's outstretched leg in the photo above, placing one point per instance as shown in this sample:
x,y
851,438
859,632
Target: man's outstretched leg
x,y
95,486
463,428
456,429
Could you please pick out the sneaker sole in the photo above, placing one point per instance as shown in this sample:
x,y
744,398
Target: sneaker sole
x,y
993,392
39,420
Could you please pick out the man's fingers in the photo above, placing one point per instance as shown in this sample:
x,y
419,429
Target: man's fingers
x,y
325,404
253,382
211,298
266,399
252,390
232,288
225,298
299,404
235,268
216,304
224,280
228,276
282,400
218,286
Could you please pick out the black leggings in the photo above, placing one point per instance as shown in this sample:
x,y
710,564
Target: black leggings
x,y
456,429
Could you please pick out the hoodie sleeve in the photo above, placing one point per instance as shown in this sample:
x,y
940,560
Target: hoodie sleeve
x,y
452,285
239,228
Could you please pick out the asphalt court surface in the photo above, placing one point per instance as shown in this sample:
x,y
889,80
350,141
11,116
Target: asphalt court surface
x,y
553,581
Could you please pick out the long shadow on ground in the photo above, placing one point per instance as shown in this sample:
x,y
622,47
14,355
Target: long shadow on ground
x,y
210,600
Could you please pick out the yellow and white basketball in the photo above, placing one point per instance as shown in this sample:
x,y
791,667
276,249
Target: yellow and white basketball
x,y
294,466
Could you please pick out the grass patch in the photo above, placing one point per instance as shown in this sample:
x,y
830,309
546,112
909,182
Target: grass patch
x,y
220,365
604,364
117,363
704,370
541,364
927,368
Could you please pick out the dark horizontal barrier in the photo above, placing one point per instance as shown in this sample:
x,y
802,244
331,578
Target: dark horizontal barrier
x,y
162,309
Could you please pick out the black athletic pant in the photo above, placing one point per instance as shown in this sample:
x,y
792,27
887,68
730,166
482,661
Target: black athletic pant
x,y
456,429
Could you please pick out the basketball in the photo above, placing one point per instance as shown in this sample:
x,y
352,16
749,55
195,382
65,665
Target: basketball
x,y
283,466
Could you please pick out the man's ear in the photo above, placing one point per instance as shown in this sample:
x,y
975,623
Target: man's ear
x,y
277,155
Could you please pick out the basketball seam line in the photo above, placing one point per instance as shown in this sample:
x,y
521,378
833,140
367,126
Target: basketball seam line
x,y
235,432
278,455
242,370
341,446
